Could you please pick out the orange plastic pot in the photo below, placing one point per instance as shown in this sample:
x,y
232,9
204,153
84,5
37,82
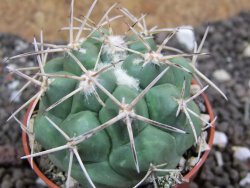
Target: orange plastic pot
x,y
189,176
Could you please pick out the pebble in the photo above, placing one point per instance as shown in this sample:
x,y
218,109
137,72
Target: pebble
x,y
39,181
205,118
219,158
193,185
240,90
17,174
221,75
1,172
13,85
186,37
245,180
227,55
19,184
223,126
246,52
241,153
221,181
220,139
218,170
20,45
14,97
6,184
234,175
194,89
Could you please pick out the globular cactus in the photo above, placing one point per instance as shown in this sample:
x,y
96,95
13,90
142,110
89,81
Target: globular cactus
x,y
141,126
114,106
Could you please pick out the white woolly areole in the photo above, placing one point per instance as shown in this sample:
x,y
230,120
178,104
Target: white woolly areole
x,y
124,79
137,61
83,50
152,57
112,42
49,81
110,48
103,65
202,142
87,85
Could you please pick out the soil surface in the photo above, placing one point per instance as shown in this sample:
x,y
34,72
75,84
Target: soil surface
x,y
226,43
26,18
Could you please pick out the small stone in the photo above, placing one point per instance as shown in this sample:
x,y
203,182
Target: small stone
x,y
17,174
193,185
185,36
246,52
7,155
205,118
220,139
222,182
219,158
230,186
218,171
19,184
194,89
21,45
241,153
240,90
182,163
221,75
39,181
13,85
223,126
208,184
234,175
241,167
245,180
192,161
14,97
1,172
6,184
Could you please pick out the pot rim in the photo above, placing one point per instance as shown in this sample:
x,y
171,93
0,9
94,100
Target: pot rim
x,y
189,176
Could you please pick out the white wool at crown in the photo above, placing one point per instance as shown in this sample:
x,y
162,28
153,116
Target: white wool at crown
x,y
116,47
113,42
186,37
124,79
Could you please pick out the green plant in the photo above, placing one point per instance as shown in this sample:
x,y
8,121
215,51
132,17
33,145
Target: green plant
x,y
114,109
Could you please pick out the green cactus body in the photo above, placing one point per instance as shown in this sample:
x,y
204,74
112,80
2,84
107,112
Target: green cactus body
x,y
107,155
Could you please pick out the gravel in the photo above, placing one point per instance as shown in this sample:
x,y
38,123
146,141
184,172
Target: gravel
x,y
226,43
14,172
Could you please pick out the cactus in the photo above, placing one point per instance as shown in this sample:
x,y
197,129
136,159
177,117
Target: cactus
x,y
114,108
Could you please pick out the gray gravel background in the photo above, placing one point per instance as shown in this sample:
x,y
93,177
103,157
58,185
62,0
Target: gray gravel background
x,y
226,43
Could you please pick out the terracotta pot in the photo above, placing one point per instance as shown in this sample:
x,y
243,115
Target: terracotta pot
x,y
192,174
189,176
